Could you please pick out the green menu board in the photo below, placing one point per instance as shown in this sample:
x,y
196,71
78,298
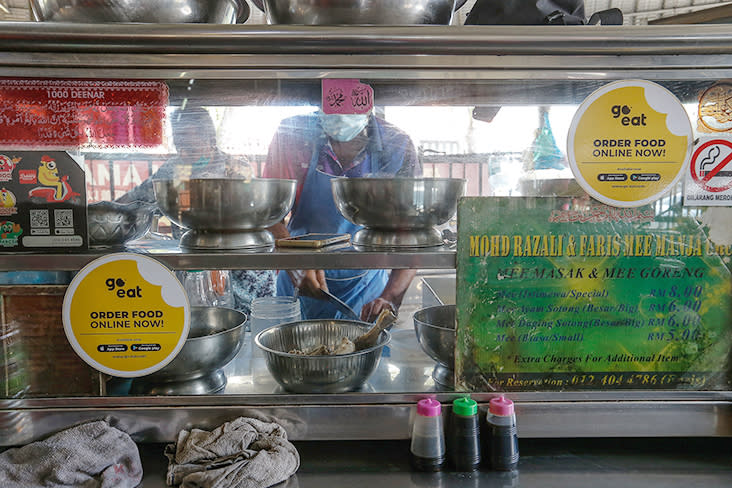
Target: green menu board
x,y
555,295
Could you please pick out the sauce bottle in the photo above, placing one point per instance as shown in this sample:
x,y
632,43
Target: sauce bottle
x,y
504,451
428,438
463,446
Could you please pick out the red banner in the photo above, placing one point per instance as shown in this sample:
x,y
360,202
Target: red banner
x,y
47,113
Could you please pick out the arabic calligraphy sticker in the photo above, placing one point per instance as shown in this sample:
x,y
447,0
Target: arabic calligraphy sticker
x,y
629,143
346,96
715,108
126,315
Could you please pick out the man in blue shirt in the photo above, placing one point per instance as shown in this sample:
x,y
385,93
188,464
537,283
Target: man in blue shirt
x,y
313,149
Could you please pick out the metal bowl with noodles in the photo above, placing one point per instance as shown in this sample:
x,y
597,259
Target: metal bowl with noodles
x,y
319,374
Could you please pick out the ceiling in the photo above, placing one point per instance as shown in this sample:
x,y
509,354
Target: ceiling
x,y
636,12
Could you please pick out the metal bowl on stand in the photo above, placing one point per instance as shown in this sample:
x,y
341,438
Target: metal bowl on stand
x,y
112,224
225,213
397,212
435,329
319,374
363,12
215,337
157,12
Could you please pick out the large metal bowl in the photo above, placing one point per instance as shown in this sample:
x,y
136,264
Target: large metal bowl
x,y
435,329
318,374
397,203
333,12
223,211
111,224
146,11
215,336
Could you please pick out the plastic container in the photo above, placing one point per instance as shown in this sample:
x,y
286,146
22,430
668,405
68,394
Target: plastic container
x,y
208,288
463,439
503,441
427,447
269,311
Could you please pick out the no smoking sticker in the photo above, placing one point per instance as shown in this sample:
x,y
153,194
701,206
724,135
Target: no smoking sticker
x,y
709,180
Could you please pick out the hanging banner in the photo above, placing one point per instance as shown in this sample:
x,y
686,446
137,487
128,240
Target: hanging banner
x,y
126,315
553,294
57,113
629,143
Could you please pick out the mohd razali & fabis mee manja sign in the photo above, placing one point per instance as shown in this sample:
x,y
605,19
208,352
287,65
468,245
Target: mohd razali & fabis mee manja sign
x,y
595,297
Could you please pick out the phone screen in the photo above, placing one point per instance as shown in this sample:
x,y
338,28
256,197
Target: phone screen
x,y
318,237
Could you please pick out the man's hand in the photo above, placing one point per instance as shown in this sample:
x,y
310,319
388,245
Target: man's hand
x,y
308,281
371,310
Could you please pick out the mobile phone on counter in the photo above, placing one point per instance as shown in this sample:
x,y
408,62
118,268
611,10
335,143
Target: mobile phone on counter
x,y
314,240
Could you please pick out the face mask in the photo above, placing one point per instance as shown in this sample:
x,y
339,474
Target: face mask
x,y
343,128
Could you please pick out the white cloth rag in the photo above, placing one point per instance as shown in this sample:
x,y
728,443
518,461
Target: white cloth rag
x,y
90,455
243,453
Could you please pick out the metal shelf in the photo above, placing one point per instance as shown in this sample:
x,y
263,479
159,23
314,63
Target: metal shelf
x,y
170,254
380,416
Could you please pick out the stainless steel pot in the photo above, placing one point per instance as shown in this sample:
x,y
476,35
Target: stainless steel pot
x,y
397,203
435,329
334,12
146,11
215,336
111,224
225,213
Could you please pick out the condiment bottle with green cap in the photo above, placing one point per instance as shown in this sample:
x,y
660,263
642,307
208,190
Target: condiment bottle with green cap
x,y
428,438
504,451
463,446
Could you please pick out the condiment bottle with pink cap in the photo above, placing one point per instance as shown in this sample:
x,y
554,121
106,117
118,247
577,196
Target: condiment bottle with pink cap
x,y
503,439
428,438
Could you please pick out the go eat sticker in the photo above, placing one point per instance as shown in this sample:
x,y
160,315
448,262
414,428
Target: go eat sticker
x,y
126,315
629,143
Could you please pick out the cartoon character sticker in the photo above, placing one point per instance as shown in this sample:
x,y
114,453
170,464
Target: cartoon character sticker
x,y
7,165
9,233
53,188
7,202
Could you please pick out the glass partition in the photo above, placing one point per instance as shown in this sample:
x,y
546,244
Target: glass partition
x,y
504,138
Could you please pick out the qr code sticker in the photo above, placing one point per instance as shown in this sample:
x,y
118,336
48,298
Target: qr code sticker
x,y
63,218
39,218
